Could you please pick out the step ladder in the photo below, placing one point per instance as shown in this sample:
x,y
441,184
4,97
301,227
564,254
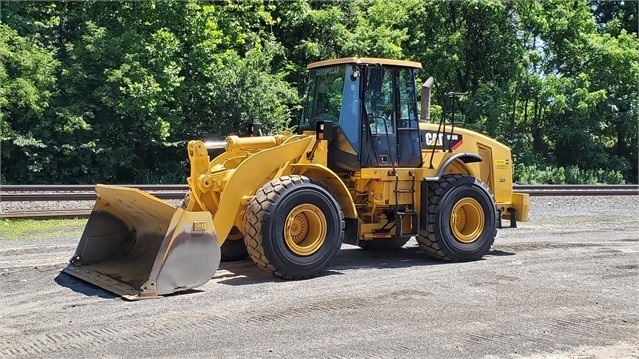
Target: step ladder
x,y
407,211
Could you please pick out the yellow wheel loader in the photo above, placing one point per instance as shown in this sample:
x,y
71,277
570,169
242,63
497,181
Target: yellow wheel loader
x,y
362,168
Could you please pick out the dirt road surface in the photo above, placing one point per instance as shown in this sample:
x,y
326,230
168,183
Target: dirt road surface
x,y
564,285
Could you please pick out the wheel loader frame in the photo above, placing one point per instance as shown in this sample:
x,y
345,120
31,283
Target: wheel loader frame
x,y
226,184
295,197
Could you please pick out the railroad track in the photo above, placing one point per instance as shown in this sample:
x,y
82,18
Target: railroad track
x,y
63,193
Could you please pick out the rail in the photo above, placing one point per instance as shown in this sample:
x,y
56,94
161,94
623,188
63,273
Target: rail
x,y
33,193
578,190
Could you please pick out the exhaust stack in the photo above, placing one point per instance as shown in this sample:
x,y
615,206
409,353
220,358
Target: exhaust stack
x,y
424,115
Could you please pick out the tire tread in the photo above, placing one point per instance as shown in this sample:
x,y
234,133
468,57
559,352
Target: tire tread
x,y
426,238
265,198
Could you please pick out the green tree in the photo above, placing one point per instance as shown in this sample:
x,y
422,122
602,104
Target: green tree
x,y
613,17
99,91
580,89
138,79
27,82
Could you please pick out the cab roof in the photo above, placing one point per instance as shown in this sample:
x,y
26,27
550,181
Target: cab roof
x,y
367,61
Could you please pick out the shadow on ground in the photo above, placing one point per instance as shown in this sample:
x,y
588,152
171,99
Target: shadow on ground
x,y
82,287
245,272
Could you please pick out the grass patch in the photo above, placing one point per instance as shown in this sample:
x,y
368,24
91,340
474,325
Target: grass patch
x,y
12,229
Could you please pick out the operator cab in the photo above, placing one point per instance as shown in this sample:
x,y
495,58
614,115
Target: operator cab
x,y
373,106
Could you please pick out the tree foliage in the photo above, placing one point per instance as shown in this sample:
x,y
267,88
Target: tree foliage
x,y
27,83
99,91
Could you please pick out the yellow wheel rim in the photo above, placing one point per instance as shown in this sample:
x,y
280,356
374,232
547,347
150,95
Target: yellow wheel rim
x,y
305,229
467,220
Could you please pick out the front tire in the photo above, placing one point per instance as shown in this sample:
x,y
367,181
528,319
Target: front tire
x,y
294,227
461,219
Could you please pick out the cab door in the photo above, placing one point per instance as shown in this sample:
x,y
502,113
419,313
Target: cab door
x,y
392,134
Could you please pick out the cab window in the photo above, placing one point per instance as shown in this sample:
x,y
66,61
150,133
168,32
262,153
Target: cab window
x,y
379,100
323,96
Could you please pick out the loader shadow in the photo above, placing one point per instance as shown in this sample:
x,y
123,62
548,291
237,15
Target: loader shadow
x,y
245,272
410,255
352,257
88,289
499,253
349,257
82,287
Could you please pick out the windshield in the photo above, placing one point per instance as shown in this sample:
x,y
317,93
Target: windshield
x,y
333,95
323,96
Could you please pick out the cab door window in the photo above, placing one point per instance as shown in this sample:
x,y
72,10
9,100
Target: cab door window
x,y
379,100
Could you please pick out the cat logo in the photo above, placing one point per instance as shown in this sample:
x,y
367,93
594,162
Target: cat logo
x,y
440,140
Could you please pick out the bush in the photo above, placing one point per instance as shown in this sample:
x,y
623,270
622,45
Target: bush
x,y
532,174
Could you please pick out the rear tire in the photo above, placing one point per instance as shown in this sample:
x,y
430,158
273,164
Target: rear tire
x,y
233,249
461,219
294,227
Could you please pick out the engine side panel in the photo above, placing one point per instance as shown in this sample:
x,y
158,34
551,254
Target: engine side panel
x,y
495,169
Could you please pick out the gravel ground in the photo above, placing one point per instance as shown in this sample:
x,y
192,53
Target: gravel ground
x,y
563,285
43,205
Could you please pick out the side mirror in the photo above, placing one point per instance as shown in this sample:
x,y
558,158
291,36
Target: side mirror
x,y
324,130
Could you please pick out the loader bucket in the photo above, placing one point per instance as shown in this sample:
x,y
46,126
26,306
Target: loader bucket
x,y
138,246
